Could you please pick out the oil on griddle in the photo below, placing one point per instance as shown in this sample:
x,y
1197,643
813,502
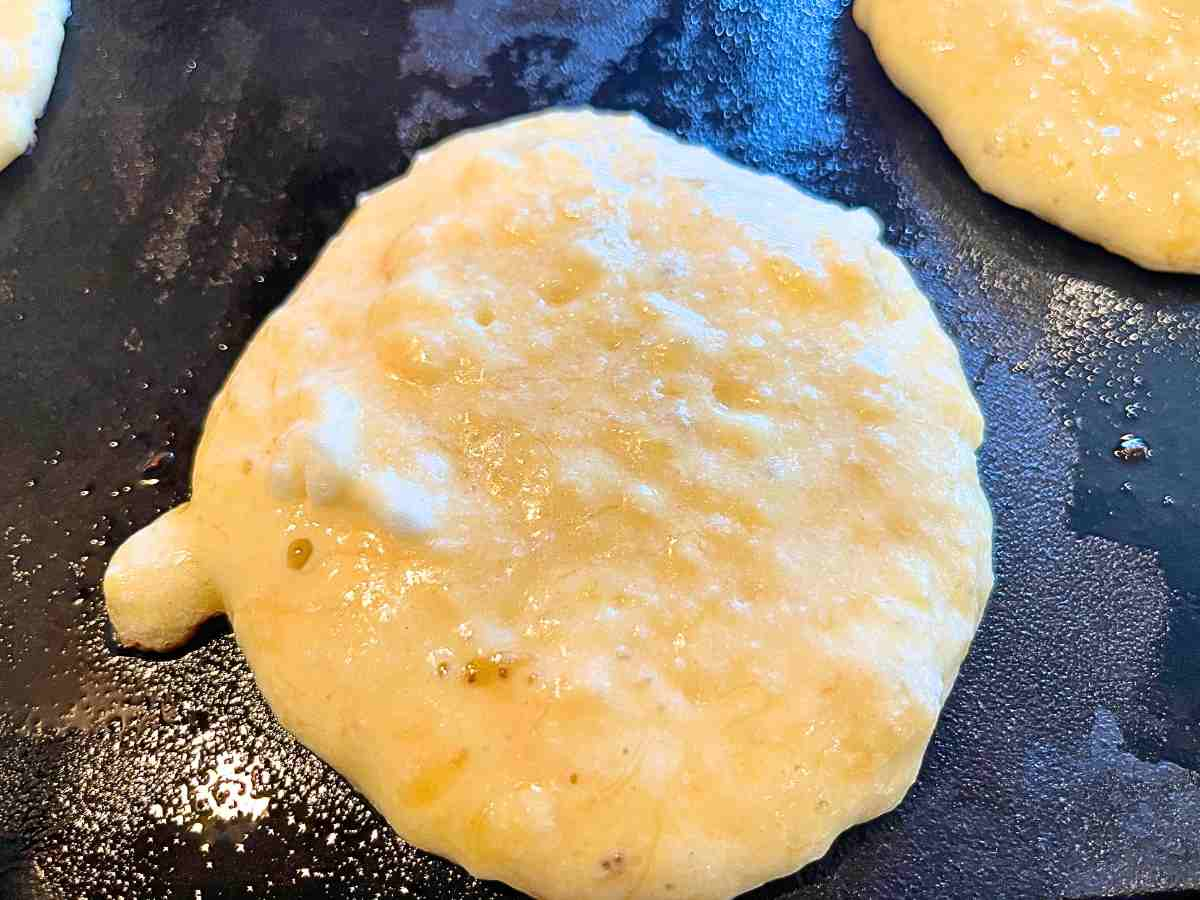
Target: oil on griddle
x,y
194,159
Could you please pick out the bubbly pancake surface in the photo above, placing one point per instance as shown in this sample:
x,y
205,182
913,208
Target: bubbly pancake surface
x,y
1085,112
607,514
31,36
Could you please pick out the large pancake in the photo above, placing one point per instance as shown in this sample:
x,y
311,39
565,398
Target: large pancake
x,y
606,513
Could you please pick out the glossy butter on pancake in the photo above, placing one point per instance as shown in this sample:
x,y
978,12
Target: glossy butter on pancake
x,y
606,513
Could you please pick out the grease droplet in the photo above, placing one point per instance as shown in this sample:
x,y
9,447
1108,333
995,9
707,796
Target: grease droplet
x,y
1131,448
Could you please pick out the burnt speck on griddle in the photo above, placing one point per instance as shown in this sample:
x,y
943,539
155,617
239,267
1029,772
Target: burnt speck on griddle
x,y
155,467
1131,448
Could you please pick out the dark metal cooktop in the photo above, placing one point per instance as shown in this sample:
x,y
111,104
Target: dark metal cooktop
x,y
195,157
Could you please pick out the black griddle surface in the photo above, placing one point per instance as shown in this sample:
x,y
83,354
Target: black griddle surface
x,y
195,157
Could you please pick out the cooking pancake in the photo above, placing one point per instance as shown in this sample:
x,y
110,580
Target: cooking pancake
x,y
1085,113
31,36
606,513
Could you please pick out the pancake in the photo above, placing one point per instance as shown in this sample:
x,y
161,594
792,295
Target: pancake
x,y
606,513
31,36
1086,113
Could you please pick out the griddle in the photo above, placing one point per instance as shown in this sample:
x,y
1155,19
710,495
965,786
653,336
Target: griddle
x,y
195,157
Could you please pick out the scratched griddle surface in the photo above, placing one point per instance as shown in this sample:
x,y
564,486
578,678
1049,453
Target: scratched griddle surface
x,y
196,156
